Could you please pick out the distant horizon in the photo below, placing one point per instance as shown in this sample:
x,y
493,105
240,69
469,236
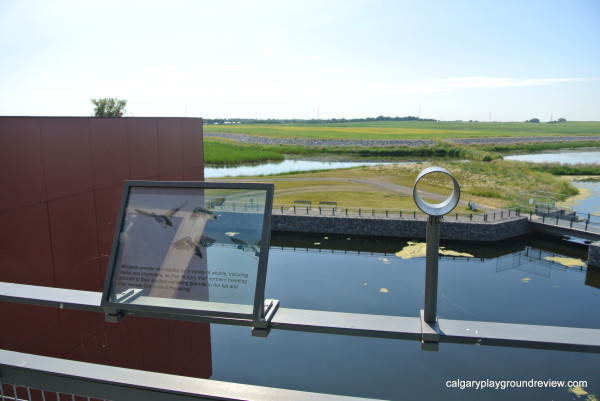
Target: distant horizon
x,y
374,119
348,120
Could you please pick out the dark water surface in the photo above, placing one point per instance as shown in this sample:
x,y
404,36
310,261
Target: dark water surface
x,y
517,281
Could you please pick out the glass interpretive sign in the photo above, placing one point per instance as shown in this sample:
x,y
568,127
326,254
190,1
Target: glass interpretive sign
x,y
191,248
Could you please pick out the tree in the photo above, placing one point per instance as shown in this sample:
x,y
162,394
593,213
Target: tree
x,y
562,120
533,120
109,107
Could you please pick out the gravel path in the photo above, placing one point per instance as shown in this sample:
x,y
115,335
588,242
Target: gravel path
x,y
395,142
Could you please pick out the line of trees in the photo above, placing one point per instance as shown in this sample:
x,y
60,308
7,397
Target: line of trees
x,y
309,121
537,120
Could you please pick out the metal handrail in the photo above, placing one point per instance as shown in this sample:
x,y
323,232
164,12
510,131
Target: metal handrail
x,y
412,214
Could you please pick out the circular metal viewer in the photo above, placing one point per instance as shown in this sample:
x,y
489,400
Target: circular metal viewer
x,y
437,209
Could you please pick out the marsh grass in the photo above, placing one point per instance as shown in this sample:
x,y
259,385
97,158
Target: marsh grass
x,y
568,169
493,184
218,152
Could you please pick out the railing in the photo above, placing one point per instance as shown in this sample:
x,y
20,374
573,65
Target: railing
x,y
585,222
366,212
25,374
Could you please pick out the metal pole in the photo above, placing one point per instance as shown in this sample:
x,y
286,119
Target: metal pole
x,y
431,268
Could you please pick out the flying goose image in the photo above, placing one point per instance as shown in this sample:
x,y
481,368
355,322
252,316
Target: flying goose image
x,y
253,249
162,219
215,202
187,243
199,211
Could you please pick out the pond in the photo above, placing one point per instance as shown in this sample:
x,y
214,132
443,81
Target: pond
x,y
590,201
561,156
285,166
523,281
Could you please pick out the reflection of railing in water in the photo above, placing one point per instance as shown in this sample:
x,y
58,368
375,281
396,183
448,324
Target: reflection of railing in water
x,y
534,261
367,253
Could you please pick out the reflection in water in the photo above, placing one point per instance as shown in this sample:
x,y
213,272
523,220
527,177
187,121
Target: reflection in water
x,y
419,250
592,277
568,262
285,166
571,157
345,274
589,203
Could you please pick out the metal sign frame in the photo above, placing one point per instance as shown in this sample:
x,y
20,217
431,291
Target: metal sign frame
x,y
261,310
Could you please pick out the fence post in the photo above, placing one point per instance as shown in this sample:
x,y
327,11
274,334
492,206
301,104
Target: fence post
x,y
294,209
281,209
471,217
400,213
307,210
319,209
386,213
359,212
431,268
586,223
414,214
373,213
346,211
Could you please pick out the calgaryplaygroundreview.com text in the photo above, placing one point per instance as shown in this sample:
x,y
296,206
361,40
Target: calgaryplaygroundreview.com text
x,y
504,384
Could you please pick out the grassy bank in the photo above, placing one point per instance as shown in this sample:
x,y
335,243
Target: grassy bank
x,y
495,184
567,169
217,152
220,152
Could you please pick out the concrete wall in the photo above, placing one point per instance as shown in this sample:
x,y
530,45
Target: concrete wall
x,y
458,230
62,180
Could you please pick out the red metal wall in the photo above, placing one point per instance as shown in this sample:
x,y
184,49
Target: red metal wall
x,y
61,181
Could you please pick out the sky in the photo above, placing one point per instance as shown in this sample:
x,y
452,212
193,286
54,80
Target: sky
x,y
496,60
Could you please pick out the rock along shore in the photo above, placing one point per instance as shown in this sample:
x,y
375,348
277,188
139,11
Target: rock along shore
x,y
391,142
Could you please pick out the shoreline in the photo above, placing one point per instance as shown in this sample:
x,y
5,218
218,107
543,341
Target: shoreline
x,y
263,140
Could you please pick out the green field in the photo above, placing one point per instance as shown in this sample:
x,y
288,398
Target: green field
x,y
485,180
435,130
